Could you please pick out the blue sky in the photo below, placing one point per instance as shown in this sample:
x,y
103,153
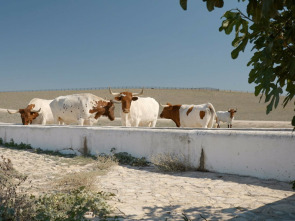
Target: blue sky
x,y
54,44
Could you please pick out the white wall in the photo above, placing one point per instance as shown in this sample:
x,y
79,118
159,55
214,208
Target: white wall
x,y
263,153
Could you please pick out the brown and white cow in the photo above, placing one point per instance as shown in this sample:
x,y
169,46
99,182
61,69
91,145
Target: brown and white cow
x,y
185,115
226,116
81,109
37,112
137,111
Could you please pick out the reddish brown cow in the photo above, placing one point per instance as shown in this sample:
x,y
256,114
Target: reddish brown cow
x,y
27,114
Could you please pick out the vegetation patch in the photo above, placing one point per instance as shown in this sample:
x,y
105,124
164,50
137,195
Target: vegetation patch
x,y
171,163
70,204
127,159
87,179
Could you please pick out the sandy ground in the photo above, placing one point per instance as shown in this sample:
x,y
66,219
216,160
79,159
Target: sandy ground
x,y
146,194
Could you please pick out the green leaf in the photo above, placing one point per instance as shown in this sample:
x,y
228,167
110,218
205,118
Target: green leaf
x,y
219,3
258,88
293,123
267,8
210,5
183,4
269,106
241,47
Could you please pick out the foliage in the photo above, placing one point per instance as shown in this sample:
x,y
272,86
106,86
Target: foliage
x,y
170,163
270,27
13,202
12,144
72,206
16,205
293,184
127,159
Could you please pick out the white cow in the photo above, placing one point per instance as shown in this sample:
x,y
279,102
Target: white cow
x,y
225,116
185,115
82,109
137,111
38,111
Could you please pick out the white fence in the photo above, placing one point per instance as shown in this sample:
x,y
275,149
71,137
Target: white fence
x,y
262,153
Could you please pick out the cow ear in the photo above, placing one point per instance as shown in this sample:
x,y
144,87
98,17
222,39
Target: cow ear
x,y
35,115
134,98
99,111
169,104
118,98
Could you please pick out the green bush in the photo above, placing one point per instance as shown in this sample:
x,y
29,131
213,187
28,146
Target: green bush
x,y
125,158
16,205
72,206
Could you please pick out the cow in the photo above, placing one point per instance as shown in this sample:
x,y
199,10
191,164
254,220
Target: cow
x,y
37,112
192,115
137,111
81,109
225,116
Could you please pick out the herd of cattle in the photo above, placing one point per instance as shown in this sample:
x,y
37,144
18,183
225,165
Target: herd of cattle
x,y
85,109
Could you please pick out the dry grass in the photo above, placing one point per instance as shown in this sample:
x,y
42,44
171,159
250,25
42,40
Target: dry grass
x,y
72,181
248,105
168,162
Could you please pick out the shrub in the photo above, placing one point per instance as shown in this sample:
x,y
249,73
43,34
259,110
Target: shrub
x,y
72,206
68,205
127,159
13,202
170,163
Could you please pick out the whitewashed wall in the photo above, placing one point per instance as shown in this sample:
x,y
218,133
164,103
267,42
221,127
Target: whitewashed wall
x,y
263,153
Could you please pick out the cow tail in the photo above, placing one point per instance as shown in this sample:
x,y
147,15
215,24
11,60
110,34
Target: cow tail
x,y
213,115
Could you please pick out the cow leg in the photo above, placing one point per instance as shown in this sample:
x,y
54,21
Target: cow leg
x,y
44,121
136,123
88,122
154,123
56,121
81,121
231,125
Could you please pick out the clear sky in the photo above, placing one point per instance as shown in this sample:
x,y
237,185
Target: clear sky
x,y
62,44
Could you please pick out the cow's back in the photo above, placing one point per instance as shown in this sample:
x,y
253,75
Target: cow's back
x,y
71,108
194,115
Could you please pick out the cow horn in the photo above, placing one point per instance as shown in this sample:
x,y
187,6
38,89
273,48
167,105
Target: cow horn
x,y
138,94
164,105
115,94
13,111
36,111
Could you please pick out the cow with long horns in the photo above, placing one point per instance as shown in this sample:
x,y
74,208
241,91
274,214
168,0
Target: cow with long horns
x,y
137,111
38,111
184,115
81,109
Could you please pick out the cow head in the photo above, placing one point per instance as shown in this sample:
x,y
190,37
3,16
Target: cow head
x,y
232,112
171,112
126,98
104,108
27,114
